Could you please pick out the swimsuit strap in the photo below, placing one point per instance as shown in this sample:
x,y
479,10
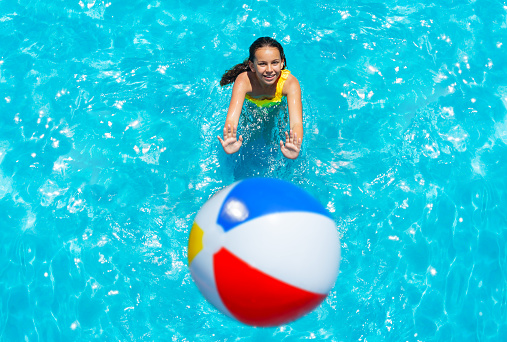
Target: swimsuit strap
x,y
278,94
279,86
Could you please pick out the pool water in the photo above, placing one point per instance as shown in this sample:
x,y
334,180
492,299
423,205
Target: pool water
x,y
109,113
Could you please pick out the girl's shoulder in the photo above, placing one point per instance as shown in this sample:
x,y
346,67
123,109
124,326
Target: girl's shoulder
x,y
243,78
244,82
291,84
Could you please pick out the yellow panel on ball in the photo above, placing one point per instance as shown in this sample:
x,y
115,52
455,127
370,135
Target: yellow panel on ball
x,y
194,242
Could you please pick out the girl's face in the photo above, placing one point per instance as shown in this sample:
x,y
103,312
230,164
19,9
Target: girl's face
x,y
267,65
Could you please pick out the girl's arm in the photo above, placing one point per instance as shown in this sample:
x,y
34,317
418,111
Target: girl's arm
x,y
294,138
293,93
239,91
229,142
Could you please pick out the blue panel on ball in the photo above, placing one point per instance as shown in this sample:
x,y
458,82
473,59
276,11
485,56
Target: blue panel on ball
x,y
256,197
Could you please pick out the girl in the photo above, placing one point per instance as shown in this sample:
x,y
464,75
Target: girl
x,y
263,80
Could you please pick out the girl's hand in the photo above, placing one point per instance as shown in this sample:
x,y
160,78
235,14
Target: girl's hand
x,y
229,142
292,145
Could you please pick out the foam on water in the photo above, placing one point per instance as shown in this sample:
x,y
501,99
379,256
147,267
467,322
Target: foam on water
x,y
108,125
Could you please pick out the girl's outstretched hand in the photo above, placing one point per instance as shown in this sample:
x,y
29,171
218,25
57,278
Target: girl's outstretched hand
x,y
292,145
229,142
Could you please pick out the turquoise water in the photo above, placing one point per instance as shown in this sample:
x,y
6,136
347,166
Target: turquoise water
x,y
109,113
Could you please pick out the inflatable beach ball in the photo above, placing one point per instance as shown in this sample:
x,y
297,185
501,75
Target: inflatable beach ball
x,y
264,251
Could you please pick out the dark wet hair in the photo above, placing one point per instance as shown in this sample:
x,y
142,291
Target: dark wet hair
x,y
231,74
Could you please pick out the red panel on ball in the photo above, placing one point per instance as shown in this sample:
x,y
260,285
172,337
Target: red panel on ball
x,y
256,298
